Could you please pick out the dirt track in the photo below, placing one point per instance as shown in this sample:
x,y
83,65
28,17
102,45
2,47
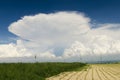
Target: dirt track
x,y
94,72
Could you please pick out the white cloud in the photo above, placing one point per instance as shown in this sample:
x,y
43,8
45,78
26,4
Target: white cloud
x,y
94,49
43,34
13,50
8,50
51,28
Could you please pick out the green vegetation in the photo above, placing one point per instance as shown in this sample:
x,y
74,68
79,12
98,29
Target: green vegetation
x,y
34,71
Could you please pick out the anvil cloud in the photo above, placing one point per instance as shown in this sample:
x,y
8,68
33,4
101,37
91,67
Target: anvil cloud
x,y
63,35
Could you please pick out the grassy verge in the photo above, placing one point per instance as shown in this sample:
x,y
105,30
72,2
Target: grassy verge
x,y
34,71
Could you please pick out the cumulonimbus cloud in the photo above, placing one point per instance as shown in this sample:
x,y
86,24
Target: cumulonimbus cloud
x,y
67,34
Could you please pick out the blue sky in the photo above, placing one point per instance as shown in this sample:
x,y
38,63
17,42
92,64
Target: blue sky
x,y
100,11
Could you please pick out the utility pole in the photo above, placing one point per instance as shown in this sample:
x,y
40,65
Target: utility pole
x,y
101,57
64,59
80,57
35,58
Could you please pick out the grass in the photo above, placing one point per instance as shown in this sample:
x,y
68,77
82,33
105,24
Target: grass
x,y
35,71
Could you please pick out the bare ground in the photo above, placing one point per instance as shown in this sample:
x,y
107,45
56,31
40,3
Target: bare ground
x,y
94,72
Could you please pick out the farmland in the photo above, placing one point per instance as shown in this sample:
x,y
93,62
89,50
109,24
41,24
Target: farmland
x,y
35,71
59,71
93,72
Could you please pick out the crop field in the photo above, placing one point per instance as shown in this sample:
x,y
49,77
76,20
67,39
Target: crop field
x,y
34,71
93,72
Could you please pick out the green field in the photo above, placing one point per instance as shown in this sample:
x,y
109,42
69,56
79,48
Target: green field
x,y
35,71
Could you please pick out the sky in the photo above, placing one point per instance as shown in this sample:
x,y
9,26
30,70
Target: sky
x,y
99,11
60,29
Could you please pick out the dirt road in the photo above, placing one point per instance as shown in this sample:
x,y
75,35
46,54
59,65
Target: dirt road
x,y
94,72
